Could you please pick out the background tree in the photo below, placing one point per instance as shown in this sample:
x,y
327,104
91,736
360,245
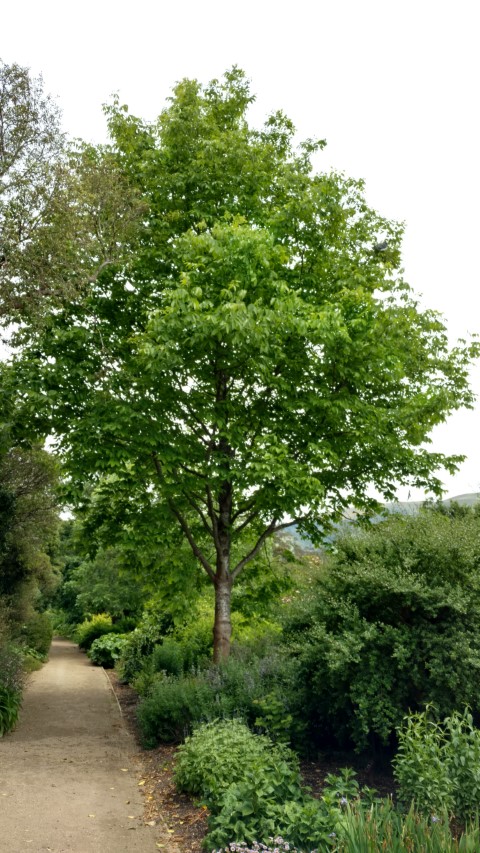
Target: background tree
x,y
252,357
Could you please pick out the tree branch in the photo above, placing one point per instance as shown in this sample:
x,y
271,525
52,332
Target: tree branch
x,y
213,516
272,528
246,508
253,515
199,512
184,524
256,548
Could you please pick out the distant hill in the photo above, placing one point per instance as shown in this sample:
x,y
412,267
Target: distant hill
x,y
292,538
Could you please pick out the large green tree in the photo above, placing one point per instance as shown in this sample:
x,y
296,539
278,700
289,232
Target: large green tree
x,y
252,356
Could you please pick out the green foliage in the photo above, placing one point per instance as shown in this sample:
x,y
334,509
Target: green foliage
x,y
10,702
107,584
253,790
393,624
438,764
167,714
383,827
169,657
37,633
253,684
91,629
105,650
272,718
220,753
152,627
11,683
420,766
262,361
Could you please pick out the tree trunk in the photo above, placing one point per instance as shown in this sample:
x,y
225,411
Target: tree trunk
x,y
222,629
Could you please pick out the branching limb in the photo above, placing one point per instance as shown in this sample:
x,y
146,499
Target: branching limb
x,y
184,524
272,528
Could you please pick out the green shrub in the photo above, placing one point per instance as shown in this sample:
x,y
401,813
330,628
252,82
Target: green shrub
x,y
95,627
37,633
168,657
221,752
10,701
106,650
463,762
393,625
253,790
438,764
11,684
141,642
420,766
167,713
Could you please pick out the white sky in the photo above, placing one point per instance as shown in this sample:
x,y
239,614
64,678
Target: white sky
x,y
392,86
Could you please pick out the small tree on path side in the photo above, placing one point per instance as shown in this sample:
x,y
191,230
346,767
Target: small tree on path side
x,y
256,357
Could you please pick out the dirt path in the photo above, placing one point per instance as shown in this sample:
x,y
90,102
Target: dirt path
x,y
68,780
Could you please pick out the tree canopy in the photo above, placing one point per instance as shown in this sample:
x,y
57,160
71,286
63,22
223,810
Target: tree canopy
x,y
250,355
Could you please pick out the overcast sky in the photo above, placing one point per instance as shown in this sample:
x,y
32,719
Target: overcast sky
x,y
392,86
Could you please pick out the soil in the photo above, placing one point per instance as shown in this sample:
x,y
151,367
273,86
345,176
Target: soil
x,y
187,821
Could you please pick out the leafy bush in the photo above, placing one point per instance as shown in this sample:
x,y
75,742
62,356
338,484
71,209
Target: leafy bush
x,y
253,790
10,701
237,688
420,766
11,684
37,633
168,712
393,625
106,650
141,642
381,827
224,751
91,629
438,764
168,657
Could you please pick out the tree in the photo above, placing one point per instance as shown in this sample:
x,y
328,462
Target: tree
x,y
30,151
252,358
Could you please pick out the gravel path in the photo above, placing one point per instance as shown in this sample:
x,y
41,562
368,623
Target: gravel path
x,y
68,780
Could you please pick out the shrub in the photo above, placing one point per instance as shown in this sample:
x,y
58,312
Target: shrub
x,y
253,791
393,625
168,712
224,751
141,642
420,766
168,657
106,650
37,633
92,628
11,684
438,764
